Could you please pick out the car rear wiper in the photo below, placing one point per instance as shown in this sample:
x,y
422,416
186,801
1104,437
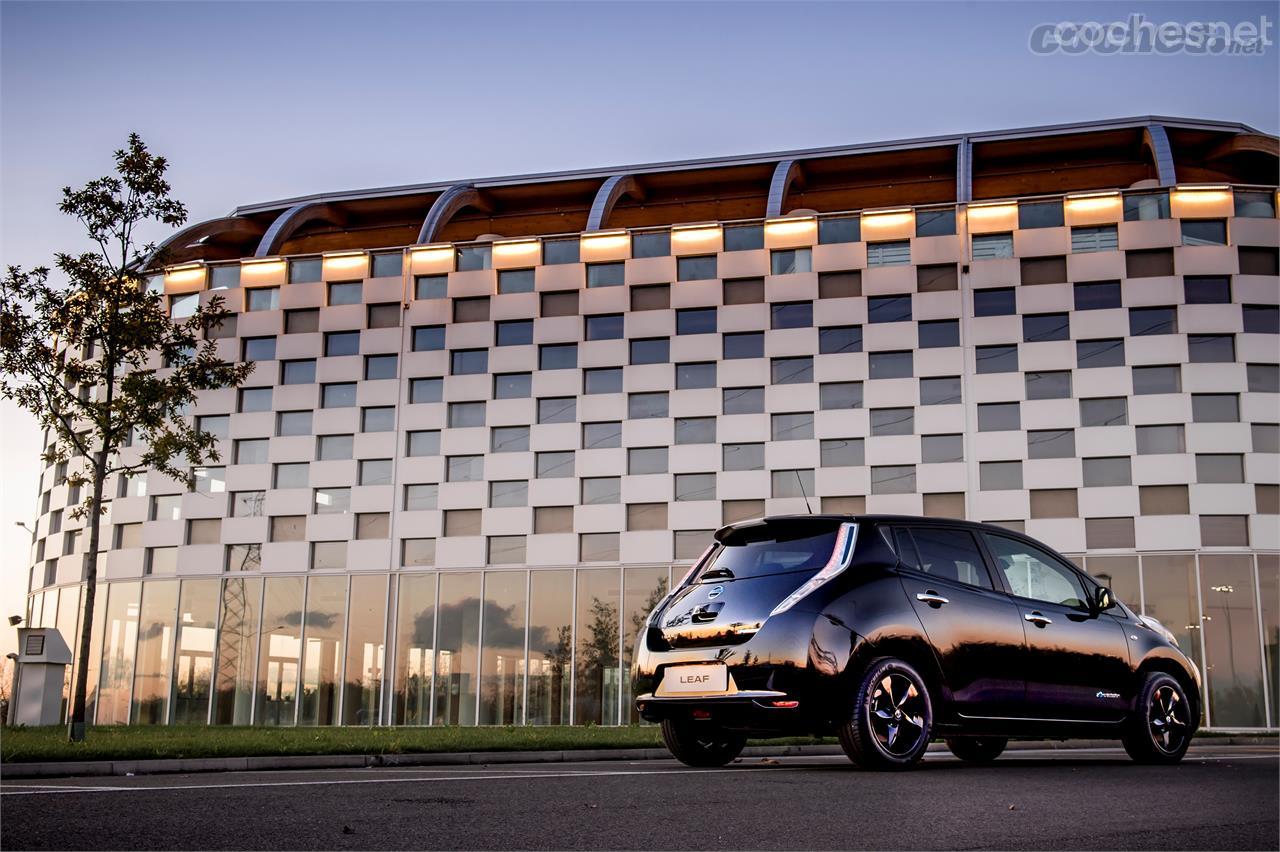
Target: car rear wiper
x,y
718,574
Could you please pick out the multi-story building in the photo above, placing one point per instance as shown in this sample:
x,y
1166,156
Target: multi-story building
x,y
492,421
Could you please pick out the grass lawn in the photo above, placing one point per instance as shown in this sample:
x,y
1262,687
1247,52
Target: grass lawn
x,y
136,742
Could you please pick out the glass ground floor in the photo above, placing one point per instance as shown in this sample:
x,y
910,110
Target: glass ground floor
x,y
528,647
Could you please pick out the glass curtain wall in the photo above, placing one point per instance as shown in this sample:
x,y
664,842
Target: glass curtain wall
x,y
193,660
70,609
323,643
457,650
120,638
642,589
278,651
366,650
502,642
97,639
415,648
598,678
550,646
241,605
1231,642
153,664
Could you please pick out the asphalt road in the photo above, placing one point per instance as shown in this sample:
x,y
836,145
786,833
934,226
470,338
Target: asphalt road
x,y
1221,797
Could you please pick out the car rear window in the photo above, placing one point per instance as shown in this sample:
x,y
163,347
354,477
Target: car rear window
x,y
761,553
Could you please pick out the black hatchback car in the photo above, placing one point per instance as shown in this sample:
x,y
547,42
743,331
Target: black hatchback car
x,y
889,631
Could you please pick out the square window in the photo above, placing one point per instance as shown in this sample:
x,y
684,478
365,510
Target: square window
x,y
299,372
469,362
1100,353
748,344
791,483
471,309
558,409
423,442
889,309
839,339
334,447
743,291
1051,444
598,547
508,493
557,464
380,366
431,287
461,522
937,278
941,448
743,237
642,460
790,261
559,304
1146,206
999,416
557,356
331,501
695,430
1224,531
553,519
1000,475
385,315
601,490
1161,439
1054,503
428,338
426,390
700,375
605,274
743,400
417,552
791,315
338,343
646,516
251,451
421,496
1261,319
224,329
936,334
1094,238
1211,348
302,321
839,396
515,281
606,327
895,253
1104,411
839,229
217,425
1049,384
647,405
695,486
305,270
509,439
742,457
259,348
1041,327
700,268
375,472
1215,407
293,423
472,258
940,390
1148,263
938,222
1159,379
290,475
1040,214
1255,205
512,385
224,277
651,297
993,303
556,252
650,243
893,479
792,371
289,528
1219,467
506,549
843,284
1096,295
602,380
262,299
1258,260
890,365
387,265
791,426
1204,232
893,421
1107,471
1145,321
1263,378
601,435
464,468
461,415
650,350
992,246
693,321
997,359
514,332
346,293
842,452
247,504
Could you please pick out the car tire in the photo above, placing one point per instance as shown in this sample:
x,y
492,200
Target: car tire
x,y
701,744
1160,728
891,718
977,749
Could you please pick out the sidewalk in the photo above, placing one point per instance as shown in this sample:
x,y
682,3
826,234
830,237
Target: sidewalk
x,y
357,761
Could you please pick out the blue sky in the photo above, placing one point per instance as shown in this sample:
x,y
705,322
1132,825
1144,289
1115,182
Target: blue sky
x,y
252,102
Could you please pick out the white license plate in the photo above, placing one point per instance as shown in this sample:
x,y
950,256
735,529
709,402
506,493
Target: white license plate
x,y
712,677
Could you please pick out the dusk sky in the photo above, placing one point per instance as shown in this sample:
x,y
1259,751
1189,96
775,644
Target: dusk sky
x,y
252,102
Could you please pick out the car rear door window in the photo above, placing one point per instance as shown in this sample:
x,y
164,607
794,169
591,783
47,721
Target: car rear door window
x,y
1033,573
947,554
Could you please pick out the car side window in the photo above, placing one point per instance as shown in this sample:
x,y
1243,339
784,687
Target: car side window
x,y
1033,573
948,554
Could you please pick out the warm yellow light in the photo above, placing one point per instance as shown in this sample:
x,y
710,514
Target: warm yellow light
x,y
516,248
434,251
263,265
695,233
185,274
1202,187
791,226
606,240
992,210
1214,194
890,218
1093,202
345,260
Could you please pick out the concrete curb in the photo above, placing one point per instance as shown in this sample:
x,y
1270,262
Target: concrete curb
x,y
100,768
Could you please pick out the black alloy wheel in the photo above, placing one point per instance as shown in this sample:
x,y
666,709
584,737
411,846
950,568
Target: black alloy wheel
x,y
1161,727
891,720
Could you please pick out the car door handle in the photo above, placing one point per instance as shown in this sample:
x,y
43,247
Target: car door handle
x,y
1037,619
932,598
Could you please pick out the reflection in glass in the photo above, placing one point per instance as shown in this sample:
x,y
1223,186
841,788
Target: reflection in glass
x,y
1169,591
119,640
1234,672
366,650
415,643
278,651
95,653
1269,588
155,638
1118,573
233,683
596,695
456,649
322,658
502,641
70,608
642,590
193,671
550,646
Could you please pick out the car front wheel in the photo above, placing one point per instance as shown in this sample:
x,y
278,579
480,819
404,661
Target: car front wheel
x,y
891,719
701,744
1161,726
977,749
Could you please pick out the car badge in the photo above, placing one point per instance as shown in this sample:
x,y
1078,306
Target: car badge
x,y
716,592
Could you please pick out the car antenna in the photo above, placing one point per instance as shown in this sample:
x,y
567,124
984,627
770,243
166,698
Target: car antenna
x,y
807,507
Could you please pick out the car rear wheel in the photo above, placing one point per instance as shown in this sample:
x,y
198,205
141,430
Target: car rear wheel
x,y
977,749
891,719
701,743
1161,727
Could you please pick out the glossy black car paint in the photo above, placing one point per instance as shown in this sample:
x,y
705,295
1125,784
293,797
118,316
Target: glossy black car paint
x,y
988,670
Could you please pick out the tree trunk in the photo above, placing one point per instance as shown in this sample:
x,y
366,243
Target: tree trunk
x,y
76,725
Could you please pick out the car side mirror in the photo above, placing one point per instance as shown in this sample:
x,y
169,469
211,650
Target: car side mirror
x,y
1103,600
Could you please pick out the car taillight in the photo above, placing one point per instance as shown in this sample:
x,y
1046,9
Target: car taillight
x,y
840,556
